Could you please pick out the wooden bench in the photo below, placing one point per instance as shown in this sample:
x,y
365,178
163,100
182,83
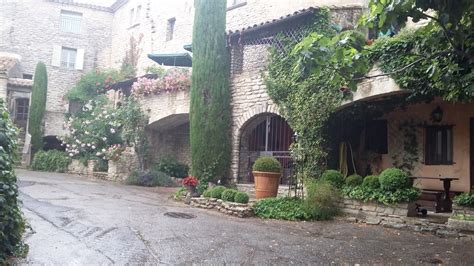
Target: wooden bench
x,y
433,195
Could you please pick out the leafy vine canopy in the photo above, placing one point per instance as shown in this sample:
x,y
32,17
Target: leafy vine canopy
x,y
432,60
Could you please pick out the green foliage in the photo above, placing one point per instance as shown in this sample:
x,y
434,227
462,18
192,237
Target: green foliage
x,y
465,199
354,180
267,164
134,122
172,167
38,106
92,84
241,197
463,217
207,193
392,179
210,96
385,197
371,181
158,70
281,208
334,177
12,225
217,191
180,193
50,161
150,179
201,188
322,200
229,194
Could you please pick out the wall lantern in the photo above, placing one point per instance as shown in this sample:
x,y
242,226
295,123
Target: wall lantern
x,y
437,115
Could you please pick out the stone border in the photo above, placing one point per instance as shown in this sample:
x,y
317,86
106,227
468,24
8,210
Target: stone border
x,y
462,225
241,210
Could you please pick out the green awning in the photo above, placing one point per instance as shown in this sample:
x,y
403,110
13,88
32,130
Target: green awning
x,y
181,60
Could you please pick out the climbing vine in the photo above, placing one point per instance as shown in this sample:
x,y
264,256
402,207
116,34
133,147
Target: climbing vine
x,y
306,83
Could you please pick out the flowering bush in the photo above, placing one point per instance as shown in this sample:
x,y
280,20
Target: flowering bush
x,y
190,181
172,80
113,152
92,131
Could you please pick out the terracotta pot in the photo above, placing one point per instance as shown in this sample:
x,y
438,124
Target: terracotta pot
x,y
266,184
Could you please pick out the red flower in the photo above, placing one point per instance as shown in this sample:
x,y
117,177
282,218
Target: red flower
x,y
190,181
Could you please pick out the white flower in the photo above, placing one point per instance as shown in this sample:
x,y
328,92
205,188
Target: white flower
x,y
104,138
88,144
70,154
74,145
93,147
98,154
78,141
104,112
112,130
67,145
104,150
87,132
83,145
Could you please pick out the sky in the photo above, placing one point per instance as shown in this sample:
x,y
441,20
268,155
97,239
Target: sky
x,y
97,2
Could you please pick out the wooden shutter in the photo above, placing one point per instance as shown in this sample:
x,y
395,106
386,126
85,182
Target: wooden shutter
x,y
80,59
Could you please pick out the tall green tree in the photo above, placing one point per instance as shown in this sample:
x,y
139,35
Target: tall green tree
x,y
210,96
38,105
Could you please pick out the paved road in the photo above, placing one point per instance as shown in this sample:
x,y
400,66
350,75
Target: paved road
x,y
81,221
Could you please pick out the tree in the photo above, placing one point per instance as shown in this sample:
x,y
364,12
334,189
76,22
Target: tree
x,y
38,106
210,97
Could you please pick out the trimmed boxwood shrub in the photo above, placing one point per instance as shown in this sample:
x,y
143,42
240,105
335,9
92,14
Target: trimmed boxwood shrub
x,y
354,180
207,193
228,194
150,179
334,177
241,197
371,181
51,161
392,179
267,164
217,191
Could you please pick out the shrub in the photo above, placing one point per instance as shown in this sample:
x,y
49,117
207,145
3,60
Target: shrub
x,y
201,188
392,179
229,194
365,193
354,180
12,225
334,177
267,164
216,192
322,200
207,193
172,167
150,179
281,208
241,197
371,181
51,161
465,199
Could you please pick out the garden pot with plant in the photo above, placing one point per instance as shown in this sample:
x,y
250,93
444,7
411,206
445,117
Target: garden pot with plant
x,y
190,183
267,173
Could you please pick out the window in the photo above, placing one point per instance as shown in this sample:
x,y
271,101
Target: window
x,y
439,145
376,136
132,14
27,76
68,57
70,21
170,29
22,109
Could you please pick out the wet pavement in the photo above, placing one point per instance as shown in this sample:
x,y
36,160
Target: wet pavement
x,y
76,220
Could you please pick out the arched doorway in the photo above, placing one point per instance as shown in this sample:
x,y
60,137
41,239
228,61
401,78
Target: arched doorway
x,y
265,135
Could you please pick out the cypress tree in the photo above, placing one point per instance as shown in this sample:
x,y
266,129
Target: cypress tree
x,y
210,96
37,107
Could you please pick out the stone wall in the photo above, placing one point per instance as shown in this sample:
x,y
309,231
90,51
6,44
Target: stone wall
x,y
30,28
230,208
170,142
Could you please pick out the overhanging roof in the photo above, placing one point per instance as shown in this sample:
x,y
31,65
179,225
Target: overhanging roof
x,y
179,59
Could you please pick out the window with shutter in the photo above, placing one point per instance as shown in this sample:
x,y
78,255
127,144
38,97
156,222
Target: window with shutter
x,y
68,58
70,21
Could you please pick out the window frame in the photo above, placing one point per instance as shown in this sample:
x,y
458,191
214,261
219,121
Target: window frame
x,y
69,64
67,20
446,151
25,108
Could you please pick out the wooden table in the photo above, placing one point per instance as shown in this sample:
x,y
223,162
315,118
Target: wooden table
x,y
447,202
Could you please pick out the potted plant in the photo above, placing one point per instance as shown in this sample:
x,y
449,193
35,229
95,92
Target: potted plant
x,y
267,173
190,183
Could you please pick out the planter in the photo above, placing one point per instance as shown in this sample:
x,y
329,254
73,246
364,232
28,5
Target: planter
x,y
266,184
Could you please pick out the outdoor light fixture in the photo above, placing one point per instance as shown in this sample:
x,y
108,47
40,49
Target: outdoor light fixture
x,y
437,115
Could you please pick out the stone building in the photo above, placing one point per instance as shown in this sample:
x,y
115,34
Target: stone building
x,y
73,39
